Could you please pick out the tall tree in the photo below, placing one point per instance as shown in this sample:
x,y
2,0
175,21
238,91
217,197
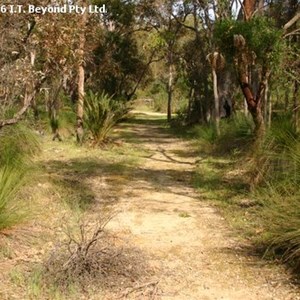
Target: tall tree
x,y
81,76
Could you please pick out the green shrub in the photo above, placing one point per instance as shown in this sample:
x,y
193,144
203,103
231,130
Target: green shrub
x,y
205,133
274,220
235,134
101,114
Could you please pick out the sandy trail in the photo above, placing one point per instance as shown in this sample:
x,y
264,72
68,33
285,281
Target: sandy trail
x,y
173,244
189,245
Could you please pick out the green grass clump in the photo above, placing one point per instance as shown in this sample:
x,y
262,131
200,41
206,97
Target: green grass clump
x,y
278,190
11,181
257,189
17,145
235,136
101,114
280,217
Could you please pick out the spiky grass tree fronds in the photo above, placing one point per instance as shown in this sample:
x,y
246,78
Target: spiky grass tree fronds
x,y
101,114
281,219
280,193
17,146
278,159
11,180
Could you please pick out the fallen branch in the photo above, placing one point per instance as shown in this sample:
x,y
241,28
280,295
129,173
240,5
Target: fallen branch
x,y
139,287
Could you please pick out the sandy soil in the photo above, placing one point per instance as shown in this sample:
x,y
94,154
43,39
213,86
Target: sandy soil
x,y
189,245
175,245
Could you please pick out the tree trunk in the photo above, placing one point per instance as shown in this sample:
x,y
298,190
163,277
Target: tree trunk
x,y
170,92
255,111
248,7
53,110
170,87
28,97
266,102
254,103
81,76
216,101
191,99
296,106
246,112
270,111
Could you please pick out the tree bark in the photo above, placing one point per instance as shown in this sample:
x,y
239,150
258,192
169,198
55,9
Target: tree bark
x,y
254,103
248,7
191,99
54,110
296,106
270,112
170,92
216,101
267,105
81,77
254,107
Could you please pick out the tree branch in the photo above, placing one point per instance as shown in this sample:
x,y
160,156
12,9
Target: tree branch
x,y
17,117
295,32
27,103
183,24
291,22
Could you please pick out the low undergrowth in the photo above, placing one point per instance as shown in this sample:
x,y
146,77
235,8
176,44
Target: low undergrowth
x,y
66,259
17,146
87,260
101,114
257,189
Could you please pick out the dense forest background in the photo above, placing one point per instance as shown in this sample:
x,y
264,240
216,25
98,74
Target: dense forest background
x,y
210,60
225,73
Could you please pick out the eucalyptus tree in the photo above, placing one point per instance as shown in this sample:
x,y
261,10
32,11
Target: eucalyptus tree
x,y
19,79
255,45
118,65
167,32
199,18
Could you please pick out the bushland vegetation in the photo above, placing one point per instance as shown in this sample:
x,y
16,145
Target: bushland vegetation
x,y
226,73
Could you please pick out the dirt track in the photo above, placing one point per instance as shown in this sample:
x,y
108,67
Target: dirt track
x,y
173,244
189,245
